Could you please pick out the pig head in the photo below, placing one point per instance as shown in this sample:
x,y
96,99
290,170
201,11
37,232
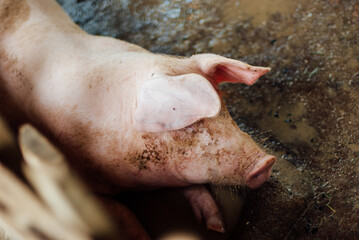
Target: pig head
x,y
185,124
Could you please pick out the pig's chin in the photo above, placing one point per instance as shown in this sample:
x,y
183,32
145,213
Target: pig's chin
x,y
225,182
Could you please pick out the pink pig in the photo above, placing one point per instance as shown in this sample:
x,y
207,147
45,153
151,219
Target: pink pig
x,y
126,118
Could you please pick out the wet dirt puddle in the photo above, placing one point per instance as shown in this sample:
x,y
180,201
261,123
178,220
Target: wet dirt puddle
x,y
258,11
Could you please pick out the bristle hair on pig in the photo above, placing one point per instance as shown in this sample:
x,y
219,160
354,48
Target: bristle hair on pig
x,y
127,119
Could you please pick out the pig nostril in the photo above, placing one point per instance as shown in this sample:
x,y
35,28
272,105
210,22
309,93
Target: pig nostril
x,y
256,175
260,173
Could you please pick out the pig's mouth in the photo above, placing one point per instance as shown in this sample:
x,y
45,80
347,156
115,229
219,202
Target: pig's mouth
x,y
261,172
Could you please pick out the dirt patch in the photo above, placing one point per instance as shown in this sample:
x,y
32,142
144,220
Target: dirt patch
x,y
12,14
258,11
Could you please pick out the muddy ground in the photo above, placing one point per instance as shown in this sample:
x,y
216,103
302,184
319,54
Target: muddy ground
x,y
305,110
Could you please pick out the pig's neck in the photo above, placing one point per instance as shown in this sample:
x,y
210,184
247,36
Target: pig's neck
x,y
28,29
37,41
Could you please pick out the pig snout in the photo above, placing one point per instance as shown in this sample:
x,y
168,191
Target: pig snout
x,y
247,164
261,172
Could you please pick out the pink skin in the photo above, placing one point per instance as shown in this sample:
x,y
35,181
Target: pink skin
x,y
205,207
91,96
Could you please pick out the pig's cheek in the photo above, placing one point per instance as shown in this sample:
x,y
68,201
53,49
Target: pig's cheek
x,y
161,152
203,163
197,162
227,167
190,167
154,153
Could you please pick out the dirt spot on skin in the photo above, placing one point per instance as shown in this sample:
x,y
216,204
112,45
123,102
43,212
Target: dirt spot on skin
x,y
155,151
3,208
11,65
19,83
12,14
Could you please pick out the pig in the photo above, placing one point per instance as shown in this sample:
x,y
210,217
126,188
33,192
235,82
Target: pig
x,y
127,119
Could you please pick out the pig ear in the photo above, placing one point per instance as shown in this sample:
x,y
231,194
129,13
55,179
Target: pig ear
x,y
223,69
172,102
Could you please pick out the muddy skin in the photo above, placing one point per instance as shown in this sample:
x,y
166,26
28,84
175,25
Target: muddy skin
x,y
12,14
202,142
